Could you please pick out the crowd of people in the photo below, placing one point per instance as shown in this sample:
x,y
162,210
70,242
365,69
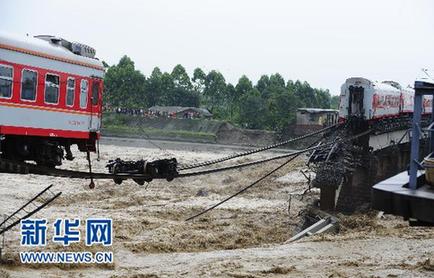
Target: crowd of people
x,y
130,111
152,114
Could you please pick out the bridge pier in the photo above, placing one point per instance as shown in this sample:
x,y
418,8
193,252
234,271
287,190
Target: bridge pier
x,y
355,190
382,164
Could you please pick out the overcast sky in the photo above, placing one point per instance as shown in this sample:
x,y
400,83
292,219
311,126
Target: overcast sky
x,y
322,42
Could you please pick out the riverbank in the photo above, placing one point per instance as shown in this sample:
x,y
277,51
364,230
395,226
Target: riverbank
x,y
189,130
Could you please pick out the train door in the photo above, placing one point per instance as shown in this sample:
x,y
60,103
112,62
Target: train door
x,y
355,107
95,102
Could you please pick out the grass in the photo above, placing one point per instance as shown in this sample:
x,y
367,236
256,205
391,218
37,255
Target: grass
x,y
123,130
135,126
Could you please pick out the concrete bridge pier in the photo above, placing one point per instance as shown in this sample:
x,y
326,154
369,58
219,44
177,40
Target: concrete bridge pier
x,y
354,192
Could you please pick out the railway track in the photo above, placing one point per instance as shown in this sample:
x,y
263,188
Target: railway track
x,y
28,168
62,173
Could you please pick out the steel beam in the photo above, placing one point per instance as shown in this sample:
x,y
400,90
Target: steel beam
x,y
421,88
415,137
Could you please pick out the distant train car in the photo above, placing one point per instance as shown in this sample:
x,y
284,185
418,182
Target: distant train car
x,y
427,104
407,101
378,102
50,98
369,100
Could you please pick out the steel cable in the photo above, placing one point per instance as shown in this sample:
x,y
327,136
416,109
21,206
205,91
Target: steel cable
x,y
40,170
247,187
236,155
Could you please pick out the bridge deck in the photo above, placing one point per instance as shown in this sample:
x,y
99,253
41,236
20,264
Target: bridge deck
x,y
395,197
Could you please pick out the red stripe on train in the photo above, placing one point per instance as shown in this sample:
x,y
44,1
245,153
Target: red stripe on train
x,y
30,131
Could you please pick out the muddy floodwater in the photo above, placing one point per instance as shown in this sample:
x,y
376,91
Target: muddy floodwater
x,y
245,237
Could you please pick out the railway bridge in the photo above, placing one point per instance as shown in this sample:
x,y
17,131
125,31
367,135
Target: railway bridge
x,y
385,169
379,157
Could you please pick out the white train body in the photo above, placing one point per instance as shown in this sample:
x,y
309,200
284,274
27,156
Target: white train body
x,y
373,101
427,104
407,101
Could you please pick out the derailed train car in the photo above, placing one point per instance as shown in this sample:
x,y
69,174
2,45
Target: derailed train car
x,y
50,98
375,102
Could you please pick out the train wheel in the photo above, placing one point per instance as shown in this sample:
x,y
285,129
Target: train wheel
x,y
139,181
115,171
148,179
118,180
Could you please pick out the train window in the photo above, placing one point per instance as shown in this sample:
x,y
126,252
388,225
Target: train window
x,y
51,88
6,81
83,93
70,90
95,92
28,85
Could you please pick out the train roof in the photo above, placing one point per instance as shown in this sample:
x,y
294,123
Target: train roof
x,y
381,85
317,110
46,48
385,86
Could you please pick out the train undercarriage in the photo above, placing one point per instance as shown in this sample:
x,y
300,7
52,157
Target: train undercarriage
x,y
45,151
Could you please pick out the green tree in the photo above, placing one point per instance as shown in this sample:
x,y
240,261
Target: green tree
x,y
214,91
175,89
180,78
243,86
270,85
184,93
263,83
305,93
334,103
277,80
270,104
154,87
323,98
282,108
199,79
167,87
125,86
253,110
232,100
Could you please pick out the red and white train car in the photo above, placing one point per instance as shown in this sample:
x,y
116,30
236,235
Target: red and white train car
x,y
374,101
50,98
